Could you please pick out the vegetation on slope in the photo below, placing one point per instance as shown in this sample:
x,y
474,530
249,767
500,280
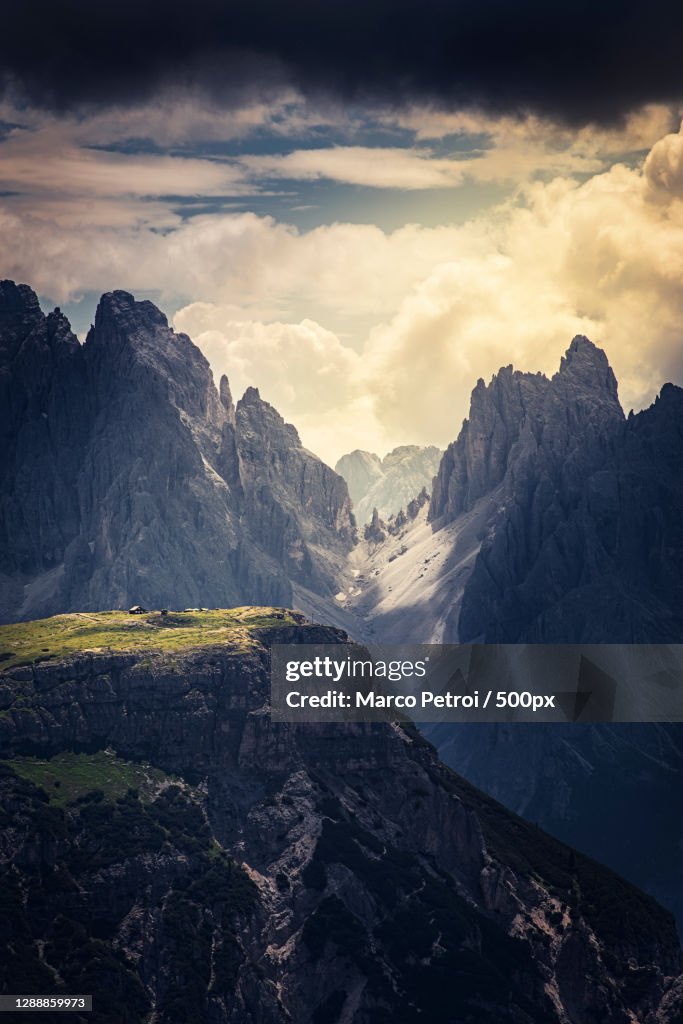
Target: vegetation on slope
x,y
84,872
22,643
68,777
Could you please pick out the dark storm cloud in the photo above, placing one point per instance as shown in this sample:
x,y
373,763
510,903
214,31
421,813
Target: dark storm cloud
x,y
574,61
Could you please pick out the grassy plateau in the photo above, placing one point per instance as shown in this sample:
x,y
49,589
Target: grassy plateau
x,y
24,643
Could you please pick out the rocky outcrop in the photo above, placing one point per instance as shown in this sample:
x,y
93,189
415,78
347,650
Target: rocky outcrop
x,y
273,872
297,508
128,477
518,417
375,530
588,545
582,539
388,484
40,371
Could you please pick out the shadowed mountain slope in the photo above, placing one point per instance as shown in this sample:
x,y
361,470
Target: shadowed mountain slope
x,y
167,846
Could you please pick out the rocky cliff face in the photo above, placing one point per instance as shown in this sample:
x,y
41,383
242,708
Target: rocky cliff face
x,y
583,540
588,542
40,370
580,538
560,425
297,508
129,478
274,873
388,484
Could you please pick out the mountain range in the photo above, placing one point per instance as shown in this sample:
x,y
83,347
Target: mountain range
x,y
130,478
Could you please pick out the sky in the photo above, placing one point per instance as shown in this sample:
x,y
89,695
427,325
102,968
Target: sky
x,y
360,208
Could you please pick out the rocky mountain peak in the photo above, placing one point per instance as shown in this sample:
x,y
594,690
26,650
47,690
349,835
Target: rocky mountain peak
x,y
127,478
122,308
225,393
583,350
252,396
17,297
587,365
670,393
59,333
361,457
20,313
132,342
665,414
400,452
564,418
361,470
257,417
477,461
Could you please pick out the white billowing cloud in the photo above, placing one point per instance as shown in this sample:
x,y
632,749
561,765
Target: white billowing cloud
x,y
664,165
268,303
602,257
599,258
346,269
269,269
467,319
304,370
296,366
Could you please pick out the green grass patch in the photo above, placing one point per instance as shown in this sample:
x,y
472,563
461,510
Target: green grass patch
x,y
67,777
23,643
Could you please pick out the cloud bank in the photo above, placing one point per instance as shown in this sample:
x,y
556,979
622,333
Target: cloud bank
x,y
580,63
361,336
603,257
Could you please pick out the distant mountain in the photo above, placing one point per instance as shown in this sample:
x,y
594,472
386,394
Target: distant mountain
x,y
388,484
198,862
127,477
361,470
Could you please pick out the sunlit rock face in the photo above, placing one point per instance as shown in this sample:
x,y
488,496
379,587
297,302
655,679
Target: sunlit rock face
x,y
129,478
